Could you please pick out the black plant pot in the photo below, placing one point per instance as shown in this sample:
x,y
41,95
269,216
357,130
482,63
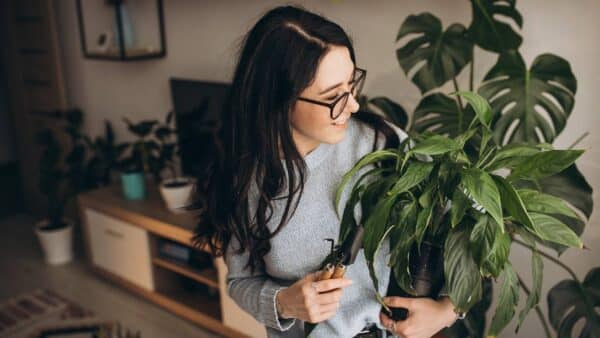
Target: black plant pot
x,y
427,272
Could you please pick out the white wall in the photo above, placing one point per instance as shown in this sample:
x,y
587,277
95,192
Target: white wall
x,y
202,38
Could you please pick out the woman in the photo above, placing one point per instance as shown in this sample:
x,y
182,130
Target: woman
x,y
288,135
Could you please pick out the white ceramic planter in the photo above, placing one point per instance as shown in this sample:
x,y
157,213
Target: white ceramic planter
x,y
56,244
176,198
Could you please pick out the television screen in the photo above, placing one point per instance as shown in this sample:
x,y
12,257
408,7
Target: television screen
x,y
197,106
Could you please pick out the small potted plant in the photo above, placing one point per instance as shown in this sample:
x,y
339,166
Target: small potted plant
x,y
176,190
452,207
104,156
140,160
61,178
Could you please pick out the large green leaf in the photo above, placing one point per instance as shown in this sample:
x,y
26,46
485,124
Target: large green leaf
x,y
514,92
415,173
490,33
440,114
370,158
445,53
537,271
511,201
481,187
435,145
376,227
474,324
569,185
569,302
460,205
536,201
498,256
480,105
544,164
511,155
463,280
553,230
507,302
482,238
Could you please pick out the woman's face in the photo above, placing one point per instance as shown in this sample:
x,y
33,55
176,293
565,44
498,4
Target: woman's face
x,y
311,123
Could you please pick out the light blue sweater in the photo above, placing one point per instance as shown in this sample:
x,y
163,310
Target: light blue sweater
x,y
300,248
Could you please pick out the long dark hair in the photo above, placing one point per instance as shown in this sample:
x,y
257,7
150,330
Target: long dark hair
x,y
277,61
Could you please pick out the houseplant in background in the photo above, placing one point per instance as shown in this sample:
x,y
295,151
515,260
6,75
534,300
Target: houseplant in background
x,y
176,190
433,56
104,157
141,159
61,178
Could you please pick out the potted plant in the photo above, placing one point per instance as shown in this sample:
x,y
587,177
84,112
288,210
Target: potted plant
x,y
176,190
61,178
104,157
451,208
140,160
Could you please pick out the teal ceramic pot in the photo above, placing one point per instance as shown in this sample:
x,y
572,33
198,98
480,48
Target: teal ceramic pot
x,y
134,187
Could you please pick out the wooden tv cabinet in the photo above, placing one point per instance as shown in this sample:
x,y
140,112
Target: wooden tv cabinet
x,y
122,239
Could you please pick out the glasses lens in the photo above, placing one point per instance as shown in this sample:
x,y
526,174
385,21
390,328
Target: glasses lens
x,y
358,85
339,107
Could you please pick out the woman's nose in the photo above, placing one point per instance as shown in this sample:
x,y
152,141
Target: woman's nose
x,y
352,104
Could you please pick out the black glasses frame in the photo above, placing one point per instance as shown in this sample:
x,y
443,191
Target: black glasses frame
x,y
331,105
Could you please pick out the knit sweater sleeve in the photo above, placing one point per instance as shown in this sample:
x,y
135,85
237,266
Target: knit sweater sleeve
x,y
253,292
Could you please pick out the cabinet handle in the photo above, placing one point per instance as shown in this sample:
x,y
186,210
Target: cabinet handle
x,y
113,233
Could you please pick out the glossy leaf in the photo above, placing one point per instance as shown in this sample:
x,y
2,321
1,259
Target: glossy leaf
x,y
545,164
508,299
440,114
434,55
463,280
570,302
514,92
480,106
512,155
370,158
536,201
483,190
435,145
537,271
376,225
460,205
490,33
415,173
511,201
553,230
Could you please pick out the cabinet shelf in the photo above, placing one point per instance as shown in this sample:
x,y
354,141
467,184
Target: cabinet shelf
x,y
206,276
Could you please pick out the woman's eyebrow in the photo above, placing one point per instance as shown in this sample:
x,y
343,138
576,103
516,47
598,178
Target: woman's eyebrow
x,y
335,85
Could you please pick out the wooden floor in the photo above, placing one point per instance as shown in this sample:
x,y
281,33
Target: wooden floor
x,y
22,269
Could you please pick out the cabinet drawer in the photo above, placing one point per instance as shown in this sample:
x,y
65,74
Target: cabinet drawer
x,y
120,248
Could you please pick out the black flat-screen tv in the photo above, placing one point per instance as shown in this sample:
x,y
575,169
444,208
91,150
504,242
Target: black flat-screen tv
x,y
198,106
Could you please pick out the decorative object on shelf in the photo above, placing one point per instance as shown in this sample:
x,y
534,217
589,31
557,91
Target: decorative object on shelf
x,y
465,194
117,36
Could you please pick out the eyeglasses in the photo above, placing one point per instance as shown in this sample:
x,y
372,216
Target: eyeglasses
x,y
339,104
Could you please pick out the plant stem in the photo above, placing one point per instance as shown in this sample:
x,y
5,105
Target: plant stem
x,y
472,69
584,135
550,258
537,307
460,106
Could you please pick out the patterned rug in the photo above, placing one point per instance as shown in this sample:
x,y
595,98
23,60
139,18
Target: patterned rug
x,y
43,313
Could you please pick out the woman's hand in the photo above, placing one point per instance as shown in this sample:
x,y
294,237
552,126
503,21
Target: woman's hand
x,y
426,317
311,300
